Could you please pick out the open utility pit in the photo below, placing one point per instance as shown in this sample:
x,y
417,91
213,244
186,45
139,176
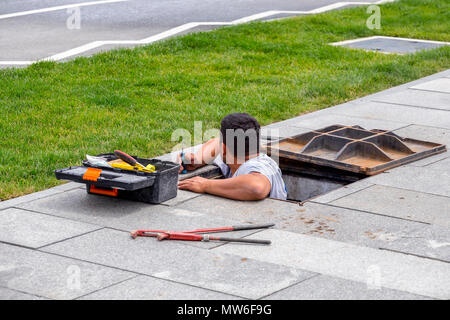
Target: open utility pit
x,y
319,161
305,181
304,187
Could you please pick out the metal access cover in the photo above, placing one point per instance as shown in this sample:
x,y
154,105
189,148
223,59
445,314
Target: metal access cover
x,y
390,44
354,149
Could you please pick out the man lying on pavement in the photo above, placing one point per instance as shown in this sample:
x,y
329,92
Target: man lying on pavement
x,y
249,174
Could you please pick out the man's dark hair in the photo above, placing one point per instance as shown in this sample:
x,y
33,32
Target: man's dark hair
x,y
243,130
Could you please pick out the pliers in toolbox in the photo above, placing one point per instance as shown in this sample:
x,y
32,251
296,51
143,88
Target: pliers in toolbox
x,y
197,235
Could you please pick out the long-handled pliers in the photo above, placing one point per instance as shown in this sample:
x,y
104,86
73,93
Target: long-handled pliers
x,y
197,235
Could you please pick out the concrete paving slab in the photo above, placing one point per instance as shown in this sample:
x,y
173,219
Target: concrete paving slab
x,y
442,165
425,162
349,226
38,195
281,131
51,276
438,85
315,219
342,192
330,288
316,121
171,260
401,203
403,87
128,215
182,196
34,230
8,294
418,98
388,111
264,211
369,230
431,241
147,288
420,179
425,133
387,269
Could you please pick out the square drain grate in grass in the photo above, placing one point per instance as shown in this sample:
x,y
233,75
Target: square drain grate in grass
x,y
390,44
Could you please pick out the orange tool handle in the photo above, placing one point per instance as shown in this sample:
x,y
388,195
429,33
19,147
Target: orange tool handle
x,y
105,192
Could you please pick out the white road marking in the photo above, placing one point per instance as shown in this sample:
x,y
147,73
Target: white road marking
x,y
67,6
176,30
386,37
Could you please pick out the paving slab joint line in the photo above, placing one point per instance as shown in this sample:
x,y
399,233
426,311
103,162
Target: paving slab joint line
x,y
385,185
55,216
421,125
50,194
294,284
408,105
414,255
73,237
429,193
181,202
348,194
434,91
107,287
28,293
17,245
374,213
139,273
435,162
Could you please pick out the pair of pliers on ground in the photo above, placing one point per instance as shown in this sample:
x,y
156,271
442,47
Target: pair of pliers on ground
x,y
199,234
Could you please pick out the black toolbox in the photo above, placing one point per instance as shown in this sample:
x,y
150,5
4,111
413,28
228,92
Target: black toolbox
x,y
149,187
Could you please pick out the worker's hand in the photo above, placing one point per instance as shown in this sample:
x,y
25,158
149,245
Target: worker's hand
x,y
189,162
195,184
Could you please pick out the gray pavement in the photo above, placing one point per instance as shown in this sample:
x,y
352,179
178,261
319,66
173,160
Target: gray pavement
x,y
42,34
383,237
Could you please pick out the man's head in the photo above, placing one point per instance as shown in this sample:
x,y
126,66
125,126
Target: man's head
x,y
240,137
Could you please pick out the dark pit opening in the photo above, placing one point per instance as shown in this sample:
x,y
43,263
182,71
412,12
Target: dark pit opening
x,y
305,180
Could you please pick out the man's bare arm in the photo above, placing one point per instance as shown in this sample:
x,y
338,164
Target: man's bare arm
x,y
205,155
253,186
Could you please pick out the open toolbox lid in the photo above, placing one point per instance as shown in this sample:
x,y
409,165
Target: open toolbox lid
x,y
115,177
107,178
353,148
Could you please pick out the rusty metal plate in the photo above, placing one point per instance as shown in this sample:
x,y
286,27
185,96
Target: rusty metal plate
x,y
353,148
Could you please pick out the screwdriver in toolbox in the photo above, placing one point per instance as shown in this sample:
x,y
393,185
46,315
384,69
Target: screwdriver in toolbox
x,y
129,159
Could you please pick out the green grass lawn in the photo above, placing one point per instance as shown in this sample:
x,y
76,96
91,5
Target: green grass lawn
x,y
52,114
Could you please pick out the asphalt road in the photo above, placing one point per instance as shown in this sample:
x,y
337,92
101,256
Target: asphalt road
x,y
29,36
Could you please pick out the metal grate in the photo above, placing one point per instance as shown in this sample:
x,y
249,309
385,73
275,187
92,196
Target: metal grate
x,y
353,149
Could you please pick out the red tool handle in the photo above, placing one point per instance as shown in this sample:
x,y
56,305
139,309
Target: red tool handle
x,y
127,158
233,228
152,233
